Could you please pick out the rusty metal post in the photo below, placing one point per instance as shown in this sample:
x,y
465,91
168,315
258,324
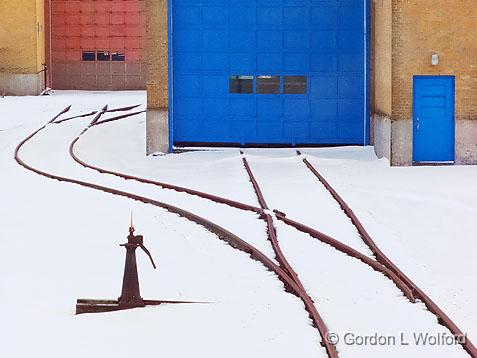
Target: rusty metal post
x,y
130,294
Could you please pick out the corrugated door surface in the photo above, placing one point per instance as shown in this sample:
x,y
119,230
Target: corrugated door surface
x,y
268,72
97,44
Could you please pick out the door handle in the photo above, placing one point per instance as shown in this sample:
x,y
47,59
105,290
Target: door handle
x,y
418,125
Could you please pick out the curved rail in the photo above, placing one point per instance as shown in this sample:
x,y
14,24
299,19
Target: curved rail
x,y
297,288
214,198
120,109
116,118
383,264
385,261
219,231
238,205
222,233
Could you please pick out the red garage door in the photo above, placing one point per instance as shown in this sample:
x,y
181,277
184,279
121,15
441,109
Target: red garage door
x,y
96,44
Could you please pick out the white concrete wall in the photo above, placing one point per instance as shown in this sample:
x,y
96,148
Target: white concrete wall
x,y
466,142
401,142
382,136
157,131
21,84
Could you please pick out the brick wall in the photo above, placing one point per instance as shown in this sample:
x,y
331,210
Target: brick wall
x,y
157,54
423,27
21,36
382,44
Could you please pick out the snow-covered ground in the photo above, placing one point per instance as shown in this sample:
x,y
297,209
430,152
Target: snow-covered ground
x,y
62,245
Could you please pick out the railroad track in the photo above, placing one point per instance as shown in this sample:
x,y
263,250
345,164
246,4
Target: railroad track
x,y
296,289
220,232
284,270
381,263
238,205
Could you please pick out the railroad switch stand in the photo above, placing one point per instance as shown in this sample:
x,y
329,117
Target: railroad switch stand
x,y
130,294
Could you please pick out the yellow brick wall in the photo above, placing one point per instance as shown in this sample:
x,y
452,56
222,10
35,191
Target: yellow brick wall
x,y
382,64
22,47
157,54
423,27
40,34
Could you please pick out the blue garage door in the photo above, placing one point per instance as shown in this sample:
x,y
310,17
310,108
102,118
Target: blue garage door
x,y
268,71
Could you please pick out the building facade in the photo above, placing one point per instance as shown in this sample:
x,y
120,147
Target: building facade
x,y
71,44
419,98
425,81
398,74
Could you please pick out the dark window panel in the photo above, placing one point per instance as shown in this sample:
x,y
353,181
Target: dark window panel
x,y
103,56
88,56
241,84
295,85
268,84
118,56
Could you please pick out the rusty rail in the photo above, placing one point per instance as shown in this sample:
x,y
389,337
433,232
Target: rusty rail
x,y
120,109
177,188
418,293
122,116
338,245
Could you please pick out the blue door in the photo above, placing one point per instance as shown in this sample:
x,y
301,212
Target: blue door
x,y
268,71
434,132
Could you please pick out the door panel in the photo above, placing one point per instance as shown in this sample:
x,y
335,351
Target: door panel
x,y
320,41
97,45
433,123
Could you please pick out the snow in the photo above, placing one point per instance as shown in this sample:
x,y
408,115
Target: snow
x,y
62,243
